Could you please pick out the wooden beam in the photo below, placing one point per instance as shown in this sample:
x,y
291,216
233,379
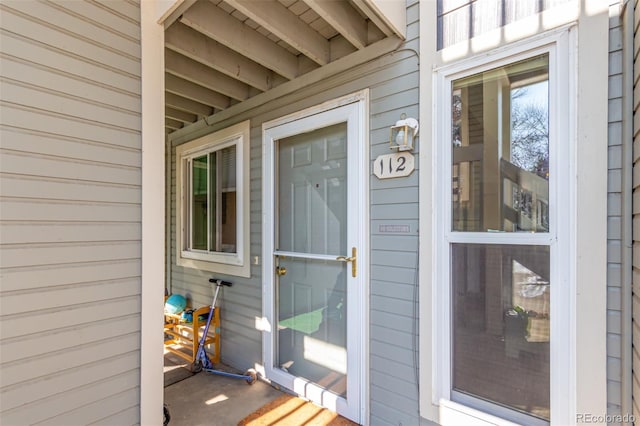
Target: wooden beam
x,y
188,105
179,10
365,7
215,23
279,20
209,52
176,114
344,18
172,124
189,90
336,71
201,74
390,16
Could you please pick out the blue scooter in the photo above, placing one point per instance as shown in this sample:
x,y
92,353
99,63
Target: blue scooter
x,y
202,361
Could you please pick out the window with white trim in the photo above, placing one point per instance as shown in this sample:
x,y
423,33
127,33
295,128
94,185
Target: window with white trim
x,y
500,287
212,187
211,200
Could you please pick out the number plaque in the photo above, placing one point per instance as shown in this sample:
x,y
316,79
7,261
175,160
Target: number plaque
x,y
395,165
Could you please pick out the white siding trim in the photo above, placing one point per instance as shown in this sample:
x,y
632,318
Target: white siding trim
x,y
590,232
428,403
153,228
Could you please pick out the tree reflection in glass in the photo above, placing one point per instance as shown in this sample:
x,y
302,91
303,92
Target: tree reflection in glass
x,y
500,149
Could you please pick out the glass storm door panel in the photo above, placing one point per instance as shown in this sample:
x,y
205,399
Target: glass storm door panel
x,y
312,326
315,171
311,233
312,178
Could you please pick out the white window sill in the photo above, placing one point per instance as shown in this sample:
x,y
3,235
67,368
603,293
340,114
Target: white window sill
x,y
454,414
234,266
224,258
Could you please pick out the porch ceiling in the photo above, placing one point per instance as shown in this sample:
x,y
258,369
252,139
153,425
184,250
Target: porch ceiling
x,y
219,53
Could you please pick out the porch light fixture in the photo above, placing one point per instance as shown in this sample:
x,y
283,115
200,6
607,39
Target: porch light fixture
x,y
403,134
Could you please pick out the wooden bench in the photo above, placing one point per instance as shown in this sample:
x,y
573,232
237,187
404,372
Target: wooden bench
x,y
182,338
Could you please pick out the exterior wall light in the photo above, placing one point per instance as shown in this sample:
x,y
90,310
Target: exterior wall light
x,y
403,134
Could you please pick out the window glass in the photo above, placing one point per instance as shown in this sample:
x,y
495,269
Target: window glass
x,y
199,200
500,293
501,313
227,218
213,201
500,149
312,171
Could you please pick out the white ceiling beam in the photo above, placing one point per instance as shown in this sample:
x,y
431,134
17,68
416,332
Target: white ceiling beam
x,y
279,20
188,105
215,23
344,18
176,114
203,49
198,73
196,93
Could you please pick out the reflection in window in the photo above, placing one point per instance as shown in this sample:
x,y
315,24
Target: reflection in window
x,y
199,202
501,328
500,149
212,205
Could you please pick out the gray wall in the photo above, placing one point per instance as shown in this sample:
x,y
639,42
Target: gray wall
x,y
70,212
394,258
393,83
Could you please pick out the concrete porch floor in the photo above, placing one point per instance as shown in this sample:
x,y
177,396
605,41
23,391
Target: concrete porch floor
x,y
209,399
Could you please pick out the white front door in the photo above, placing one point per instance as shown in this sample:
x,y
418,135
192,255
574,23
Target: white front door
x,y
315,201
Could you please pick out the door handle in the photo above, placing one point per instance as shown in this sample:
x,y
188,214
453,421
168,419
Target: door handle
x,y
281,270
353,259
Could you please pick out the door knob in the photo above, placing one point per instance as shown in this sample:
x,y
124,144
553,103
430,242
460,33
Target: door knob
x,y
352,259
281,270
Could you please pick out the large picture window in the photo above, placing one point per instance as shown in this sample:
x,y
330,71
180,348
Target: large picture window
x,y
500,293
212,187
504,341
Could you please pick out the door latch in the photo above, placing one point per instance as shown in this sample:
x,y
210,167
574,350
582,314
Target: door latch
x,y
352,259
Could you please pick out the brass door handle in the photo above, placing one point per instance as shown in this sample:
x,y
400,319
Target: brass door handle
x,y
353,259
281,270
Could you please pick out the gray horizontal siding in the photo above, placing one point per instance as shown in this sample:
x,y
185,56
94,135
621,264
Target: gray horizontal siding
x,y
393,82
70,191
394,360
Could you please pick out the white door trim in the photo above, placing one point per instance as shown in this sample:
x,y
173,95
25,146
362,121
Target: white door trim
x,y
356,107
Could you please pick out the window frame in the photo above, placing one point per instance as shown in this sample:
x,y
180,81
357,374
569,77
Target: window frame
x,y
227,263
557,238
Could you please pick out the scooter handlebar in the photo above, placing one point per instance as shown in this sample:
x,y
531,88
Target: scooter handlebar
x,y
219,282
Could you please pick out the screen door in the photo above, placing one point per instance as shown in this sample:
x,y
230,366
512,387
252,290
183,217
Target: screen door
x,y
316,310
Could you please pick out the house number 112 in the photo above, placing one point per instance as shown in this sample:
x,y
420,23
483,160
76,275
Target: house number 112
x,y
395,165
